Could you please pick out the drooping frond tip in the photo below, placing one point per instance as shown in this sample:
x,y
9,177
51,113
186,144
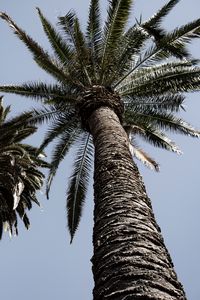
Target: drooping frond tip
x,y
144,158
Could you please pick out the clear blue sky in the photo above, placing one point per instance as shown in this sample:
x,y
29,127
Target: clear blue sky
x,y
41,264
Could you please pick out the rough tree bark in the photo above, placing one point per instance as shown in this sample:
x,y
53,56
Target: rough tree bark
x,y
130,259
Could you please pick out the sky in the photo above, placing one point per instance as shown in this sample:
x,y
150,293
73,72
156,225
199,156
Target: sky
x,y
41,263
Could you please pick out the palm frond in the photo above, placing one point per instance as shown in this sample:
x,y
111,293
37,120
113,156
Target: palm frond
x,y
40,56
118,13
78,182
152,26
127,50
37,90
63,52
61,124
177,40
155,137
71,27
166,121
166,102
45,114
20,178
157,18
143,157
65,141
93,35
171,44
161,79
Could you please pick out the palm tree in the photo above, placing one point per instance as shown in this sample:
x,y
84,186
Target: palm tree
x,y
113,84
19,174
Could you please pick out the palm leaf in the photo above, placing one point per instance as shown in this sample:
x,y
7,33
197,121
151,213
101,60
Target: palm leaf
x,y
162,79
143,157
78,182
157,18
93,35
19,174
162,120
41,91
118,13
45,114
166,102
71,27
170,44
66,120
155,137
61,49
65,141
40,56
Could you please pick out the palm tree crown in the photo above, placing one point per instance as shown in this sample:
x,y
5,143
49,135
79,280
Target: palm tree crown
x,y
142,73
19,174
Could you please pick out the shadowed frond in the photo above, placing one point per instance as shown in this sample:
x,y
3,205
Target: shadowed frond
x,y
40,56
152,26
61,124
166,102
20,177
166,121
71,27
61,149
41,91
45,114
171,44
93,35
79,181
118,13
61,49
161,79
155,137
178,39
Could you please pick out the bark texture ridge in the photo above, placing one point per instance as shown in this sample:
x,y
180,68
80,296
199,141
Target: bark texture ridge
x,y
130,259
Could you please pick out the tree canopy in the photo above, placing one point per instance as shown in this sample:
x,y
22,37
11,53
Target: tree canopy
x,y
149,68
20,177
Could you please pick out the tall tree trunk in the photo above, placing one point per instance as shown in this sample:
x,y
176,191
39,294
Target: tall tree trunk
x,y
130,259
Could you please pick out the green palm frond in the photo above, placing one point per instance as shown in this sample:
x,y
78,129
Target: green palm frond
x,y
20,178
166,121
59,126
171,44
174,43
66,24
166,102
61,149
79,181
40,56
155,137
3,111
93,35
40,91
61,49
71,27
153,25
126,53
161,79
118,13
82,51
45,114
157,18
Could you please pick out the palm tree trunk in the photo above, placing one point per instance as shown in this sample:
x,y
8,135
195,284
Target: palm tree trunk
x,y
130,259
